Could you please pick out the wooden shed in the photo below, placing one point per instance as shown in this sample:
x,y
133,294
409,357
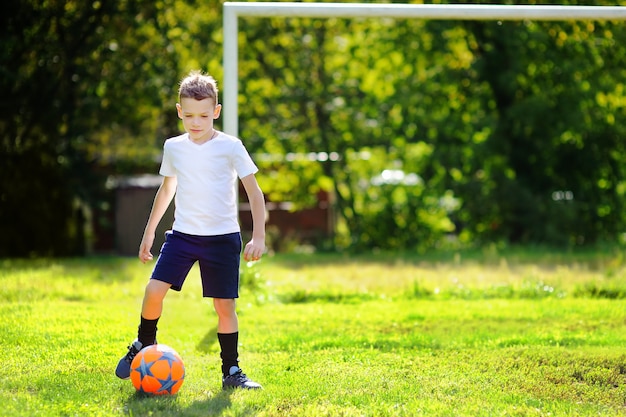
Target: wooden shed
x,y
134,197
133,201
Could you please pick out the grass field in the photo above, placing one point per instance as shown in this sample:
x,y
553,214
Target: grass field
x,y
489,333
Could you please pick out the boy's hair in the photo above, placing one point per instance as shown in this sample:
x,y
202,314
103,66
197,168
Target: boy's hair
x,y
198,86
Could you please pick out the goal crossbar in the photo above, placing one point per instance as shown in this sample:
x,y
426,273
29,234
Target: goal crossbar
x,y
426,11
234,10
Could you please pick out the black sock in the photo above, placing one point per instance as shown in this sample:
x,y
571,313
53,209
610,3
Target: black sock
x,y
229,354
147,331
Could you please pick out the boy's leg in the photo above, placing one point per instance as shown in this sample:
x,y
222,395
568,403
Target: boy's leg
x,y
151,310
176,258
219,270
227,332
227,321
228,337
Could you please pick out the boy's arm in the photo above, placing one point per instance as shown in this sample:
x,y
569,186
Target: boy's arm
x,y
256,247
162,201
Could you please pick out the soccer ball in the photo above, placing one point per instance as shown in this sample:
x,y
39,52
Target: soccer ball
x,y
157,370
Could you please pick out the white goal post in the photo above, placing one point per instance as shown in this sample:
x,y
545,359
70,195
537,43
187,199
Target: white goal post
x,y
233,10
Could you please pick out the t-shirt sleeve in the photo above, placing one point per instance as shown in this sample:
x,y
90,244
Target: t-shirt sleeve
x,y
243,163
167,168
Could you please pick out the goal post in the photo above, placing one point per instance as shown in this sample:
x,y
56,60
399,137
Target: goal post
x,y
233,10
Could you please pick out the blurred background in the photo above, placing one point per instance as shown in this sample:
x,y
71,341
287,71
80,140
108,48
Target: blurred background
x,y
370,134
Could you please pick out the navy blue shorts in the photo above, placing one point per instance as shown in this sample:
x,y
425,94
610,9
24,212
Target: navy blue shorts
x,y
218,257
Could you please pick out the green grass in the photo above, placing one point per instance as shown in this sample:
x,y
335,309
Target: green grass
x,y
519,332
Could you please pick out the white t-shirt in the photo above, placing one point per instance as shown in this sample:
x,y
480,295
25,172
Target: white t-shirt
x,y
205,198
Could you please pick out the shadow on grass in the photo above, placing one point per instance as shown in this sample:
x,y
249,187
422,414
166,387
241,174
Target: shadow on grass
x,y
207,342
140,404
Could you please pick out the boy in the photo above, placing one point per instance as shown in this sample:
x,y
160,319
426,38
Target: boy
x,y
200,168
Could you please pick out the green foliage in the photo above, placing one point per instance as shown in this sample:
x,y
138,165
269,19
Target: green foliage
x,y
507,137
545,81
68,69
504,131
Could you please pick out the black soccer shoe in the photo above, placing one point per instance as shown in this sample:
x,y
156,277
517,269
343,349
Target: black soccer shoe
x,y
237,379
123,366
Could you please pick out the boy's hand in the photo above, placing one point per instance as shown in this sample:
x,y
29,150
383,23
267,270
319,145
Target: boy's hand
x,y
253,250
144,248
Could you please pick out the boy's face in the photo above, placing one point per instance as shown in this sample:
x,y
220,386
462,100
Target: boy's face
x,y
198,116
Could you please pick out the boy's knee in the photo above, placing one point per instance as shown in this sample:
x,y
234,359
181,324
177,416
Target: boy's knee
x,y
156,289
224,306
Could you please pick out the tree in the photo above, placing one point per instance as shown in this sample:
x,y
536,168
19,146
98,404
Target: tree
x,y
65,100
332,88
553,157
493,131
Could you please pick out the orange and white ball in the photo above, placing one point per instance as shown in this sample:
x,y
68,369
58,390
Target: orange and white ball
x,y
157,370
